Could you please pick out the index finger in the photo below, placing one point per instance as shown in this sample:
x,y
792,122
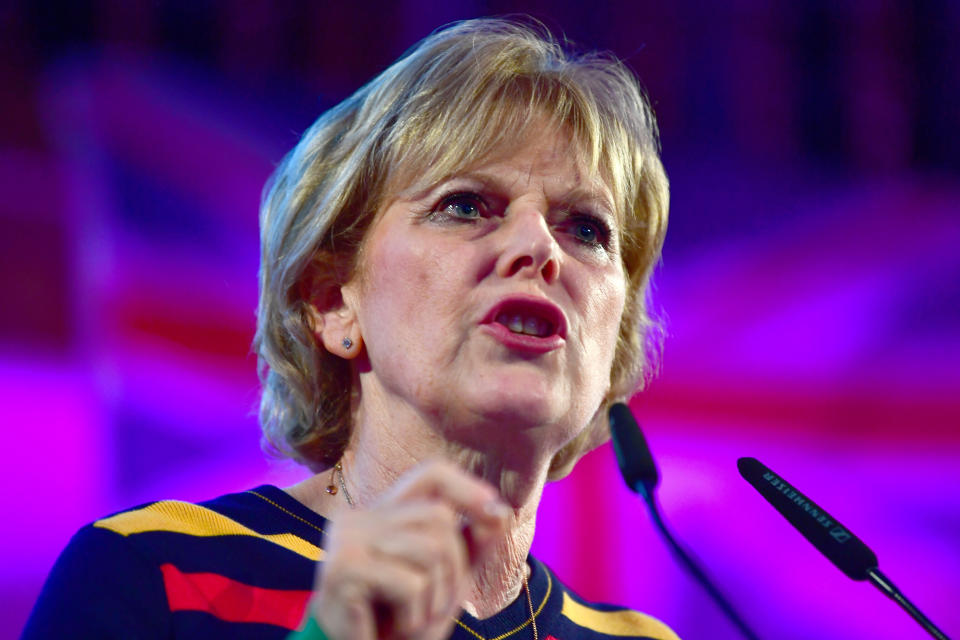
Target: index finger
x,y
477,500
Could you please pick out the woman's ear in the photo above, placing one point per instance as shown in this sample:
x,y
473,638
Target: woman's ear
x,y
332,319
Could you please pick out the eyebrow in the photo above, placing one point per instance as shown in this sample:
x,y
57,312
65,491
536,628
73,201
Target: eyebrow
x,y
416,192
596,198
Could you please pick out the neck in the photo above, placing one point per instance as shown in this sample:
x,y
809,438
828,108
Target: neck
x,y
379,453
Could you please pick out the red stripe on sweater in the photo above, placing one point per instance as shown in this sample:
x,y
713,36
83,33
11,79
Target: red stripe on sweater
x,y
232,601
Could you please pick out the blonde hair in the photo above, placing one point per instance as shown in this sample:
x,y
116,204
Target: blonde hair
x,y
453,99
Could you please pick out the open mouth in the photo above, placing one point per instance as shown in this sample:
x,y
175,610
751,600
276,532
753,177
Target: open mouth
x,y
529,316
526,324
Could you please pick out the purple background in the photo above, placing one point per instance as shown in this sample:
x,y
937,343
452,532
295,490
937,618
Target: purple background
x,y
811,282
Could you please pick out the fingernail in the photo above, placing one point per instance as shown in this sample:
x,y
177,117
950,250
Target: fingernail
x,y
496,509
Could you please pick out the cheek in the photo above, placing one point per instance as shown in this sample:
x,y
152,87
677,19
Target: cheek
x,y
397,276
602,314
606,303
411,287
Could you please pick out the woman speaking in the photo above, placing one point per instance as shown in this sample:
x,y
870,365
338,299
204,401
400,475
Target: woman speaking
x,y
454,269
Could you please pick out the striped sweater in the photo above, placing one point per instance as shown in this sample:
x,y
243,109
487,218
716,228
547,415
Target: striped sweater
x,y
242,567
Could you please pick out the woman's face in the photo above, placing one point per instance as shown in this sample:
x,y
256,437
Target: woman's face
x,y
494,296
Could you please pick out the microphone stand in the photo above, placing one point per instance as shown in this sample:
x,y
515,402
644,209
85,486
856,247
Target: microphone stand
x,y
845,550
883,583
640,473
692,566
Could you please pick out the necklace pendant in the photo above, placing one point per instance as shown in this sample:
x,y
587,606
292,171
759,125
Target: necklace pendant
x,y
332,489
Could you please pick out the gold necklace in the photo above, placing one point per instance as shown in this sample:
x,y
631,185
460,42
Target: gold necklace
x,y
532,621
533,618
336,474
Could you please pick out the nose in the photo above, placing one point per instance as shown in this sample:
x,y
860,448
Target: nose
x,y
529,247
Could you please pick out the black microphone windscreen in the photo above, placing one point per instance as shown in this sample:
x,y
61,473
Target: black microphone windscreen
x,y
633,454
840,546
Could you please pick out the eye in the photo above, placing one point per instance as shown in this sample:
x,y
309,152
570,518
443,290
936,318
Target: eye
x,y
461,206
587,232
590,230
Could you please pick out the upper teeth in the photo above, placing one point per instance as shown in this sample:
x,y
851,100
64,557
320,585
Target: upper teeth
x,y
529,325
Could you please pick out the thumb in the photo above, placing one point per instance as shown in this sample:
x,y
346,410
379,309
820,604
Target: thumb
x,y
485,528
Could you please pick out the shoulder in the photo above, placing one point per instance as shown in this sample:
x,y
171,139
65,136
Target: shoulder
x,y
256,515
587,619
238,564
100,587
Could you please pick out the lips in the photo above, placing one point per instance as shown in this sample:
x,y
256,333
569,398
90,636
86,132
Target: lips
x,y
527,323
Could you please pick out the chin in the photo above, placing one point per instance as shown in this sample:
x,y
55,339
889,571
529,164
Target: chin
x,y
523,402
518,420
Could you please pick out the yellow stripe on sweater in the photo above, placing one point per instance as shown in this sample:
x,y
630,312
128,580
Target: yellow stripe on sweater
x,y
191,519
615,623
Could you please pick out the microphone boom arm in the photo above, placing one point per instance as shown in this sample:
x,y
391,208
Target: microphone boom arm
x,y
640,473
834,541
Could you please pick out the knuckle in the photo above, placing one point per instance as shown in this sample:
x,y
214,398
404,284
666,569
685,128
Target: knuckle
x,y
436,469
440,515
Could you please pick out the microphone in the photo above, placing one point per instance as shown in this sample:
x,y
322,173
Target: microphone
x,y
640,473
832,539
633,455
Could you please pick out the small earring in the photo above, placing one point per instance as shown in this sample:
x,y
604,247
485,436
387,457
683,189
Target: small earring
x,y
347,343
